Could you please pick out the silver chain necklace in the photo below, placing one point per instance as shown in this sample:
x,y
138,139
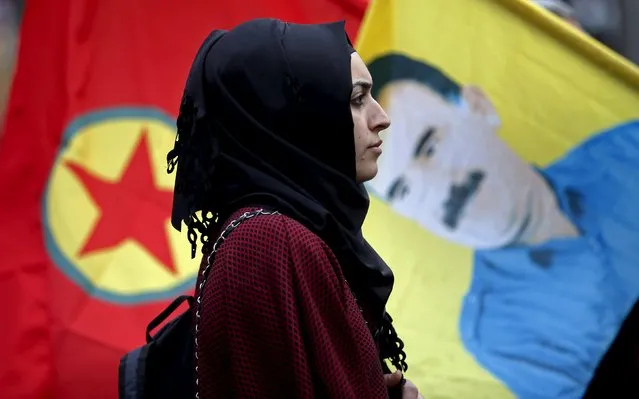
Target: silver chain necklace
x,y
205,273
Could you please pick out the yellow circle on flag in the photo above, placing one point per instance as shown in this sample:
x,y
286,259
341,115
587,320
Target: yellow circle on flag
x,y
106,208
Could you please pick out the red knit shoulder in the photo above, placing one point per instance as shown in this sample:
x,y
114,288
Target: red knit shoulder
x,y
278,319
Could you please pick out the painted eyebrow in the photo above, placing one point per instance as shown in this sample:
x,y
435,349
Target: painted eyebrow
x,y
424,139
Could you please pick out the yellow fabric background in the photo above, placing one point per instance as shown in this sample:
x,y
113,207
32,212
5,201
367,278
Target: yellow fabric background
x,y
552,85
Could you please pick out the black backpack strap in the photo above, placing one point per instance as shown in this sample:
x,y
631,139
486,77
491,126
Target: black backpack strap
x,y
131,374
159,319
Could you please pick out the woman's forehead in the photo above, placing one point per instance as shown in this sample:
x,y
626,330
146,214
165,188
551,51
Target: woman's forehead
x,y
359,70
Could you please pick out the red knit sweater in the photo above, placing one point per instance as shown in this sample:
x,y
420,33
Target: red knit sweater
x,y
279,321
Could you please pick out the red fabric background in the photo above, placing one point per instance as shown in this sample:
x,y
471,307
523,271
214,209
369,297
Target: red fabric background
x,y
77,56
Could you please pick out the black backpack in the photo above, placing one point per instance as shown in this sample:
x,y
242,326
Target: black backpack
x,y
164,368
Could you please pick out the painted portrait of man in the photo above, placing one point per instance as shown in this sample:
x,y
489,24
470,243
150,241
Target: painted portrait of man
x,y
555,266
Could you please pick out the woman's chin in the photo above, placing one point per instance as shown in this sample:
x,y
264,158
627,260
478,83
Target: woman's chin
x,y
366,172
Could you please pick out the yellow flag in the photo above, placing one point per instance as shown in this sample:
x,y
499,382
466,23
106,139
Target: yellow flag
x,y
505,196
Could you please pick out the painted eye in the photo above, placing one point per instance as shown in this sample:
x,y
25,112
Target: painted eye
x,y
426,145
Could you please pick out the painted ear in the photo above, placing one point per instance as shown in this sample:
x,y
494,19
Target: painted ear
x,y
480,104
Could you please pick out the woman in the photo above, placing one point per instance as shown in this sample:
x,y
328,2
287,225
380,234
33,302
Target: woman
x,y
279,117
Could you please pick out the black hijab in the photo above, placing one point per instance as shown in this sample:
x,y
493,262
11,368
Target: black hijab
x,y
265,120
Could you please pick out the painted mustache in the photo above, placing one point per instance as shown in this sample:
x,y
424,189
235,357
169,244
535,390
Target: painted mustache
x,y
458,198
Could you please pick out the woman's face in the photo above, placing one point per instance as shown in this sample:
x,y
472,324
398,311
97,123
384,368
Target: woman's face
x,y
369,119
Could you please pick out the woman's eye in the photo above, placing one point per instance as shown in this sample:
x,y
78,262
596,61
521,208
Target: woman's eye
x,y
358,101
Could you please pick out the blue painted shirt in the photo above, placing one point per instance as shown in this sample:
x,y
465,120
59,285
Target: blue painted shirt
x,y
541,318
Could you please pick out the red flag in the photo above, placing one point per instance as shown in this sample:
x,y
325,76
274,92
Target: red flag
x,y
87,253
